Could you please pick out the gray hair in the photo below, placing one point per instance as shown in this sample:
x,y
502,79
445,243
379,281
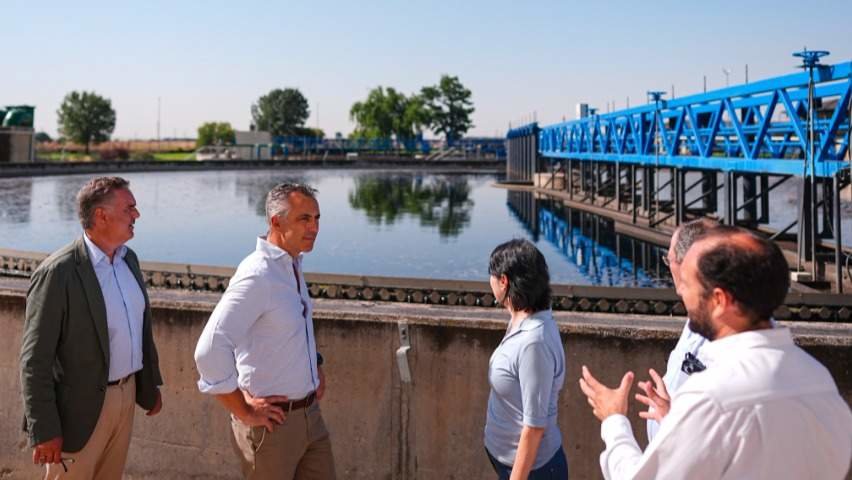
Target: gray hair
x,y
95,193
689,233
277,200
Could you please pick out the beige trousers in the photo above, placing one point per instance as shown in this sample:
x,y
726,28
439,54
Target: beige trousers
x,y
298,449
104,455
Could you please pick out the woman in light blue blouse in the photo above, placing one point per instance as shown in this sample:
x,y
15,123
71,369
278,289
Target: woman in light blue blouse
x,y
526,372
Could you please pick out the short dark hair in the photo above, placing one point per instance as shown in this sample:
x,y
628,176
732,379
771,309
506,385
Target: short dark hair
x,y
689,233
94,194
277,198
525,268
756,275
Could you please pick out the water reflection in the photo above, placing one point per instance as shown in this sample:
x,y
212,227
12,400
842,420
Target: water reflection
x,y
590,242
255,188
15,201
394,223
437,201
65,194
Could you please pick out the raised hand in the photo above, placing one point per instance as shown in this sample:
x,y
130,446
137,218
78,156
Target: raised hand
x,y
656,397
606,401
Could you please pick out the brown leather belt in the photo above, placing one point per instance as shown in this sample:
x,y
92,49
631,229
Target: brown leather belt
x,y
297,404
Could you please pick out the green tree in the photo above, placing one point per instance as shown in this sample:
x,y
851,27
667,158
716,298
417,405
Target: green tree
x,y
449,107
280,112
214,133
86,118
42,137
310,132
387,112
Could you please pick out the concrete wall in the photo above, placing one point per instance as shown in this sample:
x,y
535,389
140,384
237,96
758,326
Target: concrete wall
x,y
381,428
16,145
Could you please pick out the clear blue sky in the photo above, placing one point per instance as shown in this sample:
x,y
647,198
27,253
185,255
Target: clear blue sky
x,y
211,60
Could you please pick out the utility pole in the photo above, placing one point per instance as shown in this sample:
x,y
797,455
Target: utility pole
x,y
705,83
727,77
158,124
746,73
657,97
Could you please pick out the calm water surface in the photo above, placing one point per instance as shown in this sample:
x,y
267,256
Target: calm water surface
x,y
401,223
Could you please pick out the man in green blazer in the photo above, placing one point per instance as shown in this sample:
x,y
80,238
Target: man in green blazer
x,y
88,352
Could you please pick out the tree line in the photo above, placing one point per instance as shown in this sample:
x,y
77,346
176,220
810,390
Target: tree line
x,y
444,108
87,118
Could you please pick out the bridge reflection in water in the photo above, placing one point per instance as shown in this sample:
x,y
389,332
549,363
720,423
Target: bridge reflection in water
x,y
591,242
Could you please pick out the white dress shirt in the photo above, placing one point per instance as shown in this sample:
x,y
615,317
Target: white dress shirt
x,y
762,409
260,336
689,342
125,309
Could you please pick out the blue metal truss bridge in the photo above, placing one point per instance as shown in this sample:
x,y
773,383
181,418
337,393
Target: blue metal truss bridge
x,y
759,127
720,153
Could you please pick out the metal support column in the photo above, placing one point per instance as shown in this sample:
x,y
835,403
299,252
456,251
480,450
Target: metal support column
x,y
749,183
838,242
618,186
679,197
729,186
570,179
634,200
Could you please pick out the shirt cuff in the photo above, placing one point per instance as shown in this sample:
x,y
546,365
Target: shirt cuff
x,y
537,422
615,426
227,385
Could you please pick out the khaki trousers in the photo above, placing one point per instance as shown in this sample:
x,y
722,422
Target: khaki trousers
x,y
104,455
298,449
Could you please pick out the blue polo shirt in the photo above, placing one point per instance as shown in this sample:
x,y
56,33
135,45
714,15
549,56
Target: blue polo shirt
x,y
526,373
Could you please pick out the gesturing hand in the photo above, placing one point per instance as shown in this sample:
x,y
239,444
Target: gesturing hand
x,y
656,397
263,411
606,401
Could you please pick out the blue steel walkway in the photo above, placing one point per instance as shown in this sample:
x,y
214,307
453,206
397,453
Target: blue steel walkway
x,y
759,127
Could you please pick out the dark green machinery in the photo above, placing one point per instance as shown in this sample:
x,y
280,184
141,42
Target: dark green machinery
x,y
17,116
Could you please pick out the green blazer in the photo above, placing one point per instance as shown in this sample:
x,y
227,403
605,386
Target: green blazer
x,y
65,349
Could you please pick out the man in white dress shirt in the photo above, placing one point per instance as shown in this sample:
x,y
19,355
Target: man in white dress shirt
x,y
258,354
763,408
659,390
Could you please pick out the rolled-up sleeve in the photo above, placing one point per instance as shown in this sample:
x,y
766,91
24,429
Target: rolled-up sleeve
x,y
536,366
244,301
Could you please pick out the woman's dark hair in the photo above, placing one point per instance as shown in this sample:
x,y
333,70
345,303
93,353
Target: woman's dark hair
x,y
526,270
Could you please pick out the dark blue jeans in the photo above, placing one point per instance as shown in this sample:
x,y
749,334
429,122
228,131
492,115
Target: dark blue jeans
x,y
555,468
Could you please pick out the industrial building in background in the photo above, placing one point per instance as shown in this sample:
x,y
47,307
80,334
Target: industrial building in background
x,y
17,136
